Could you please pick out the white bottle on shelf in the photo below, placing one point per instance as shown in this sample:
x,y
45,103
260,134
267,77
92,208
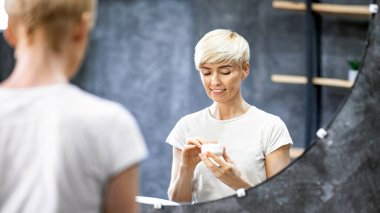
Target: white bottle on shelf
x,y
352,75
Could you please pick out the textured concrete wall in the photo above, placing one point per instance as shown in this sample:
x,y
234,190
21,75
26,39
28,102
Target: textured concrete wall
x,y
141,51
6,58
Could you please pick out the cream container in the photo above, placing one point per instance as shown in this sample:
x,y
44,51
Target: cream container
x,y
215,148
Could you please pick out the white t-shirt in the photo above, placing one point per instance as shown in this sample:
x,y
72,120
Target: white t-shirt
x,y
58,147
247,138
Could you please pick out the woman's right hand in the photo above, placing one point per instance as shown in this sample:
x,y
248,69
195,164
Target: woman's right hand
x,y
184,162
190,154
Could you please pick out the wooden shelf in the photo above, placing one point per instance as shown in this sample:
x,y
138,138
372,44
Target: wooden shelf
x,y
296,79
324,8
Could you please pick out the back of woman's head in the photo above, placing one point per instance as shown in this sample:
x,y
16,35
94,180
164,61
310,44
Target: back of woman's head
x,y
221,45
54,17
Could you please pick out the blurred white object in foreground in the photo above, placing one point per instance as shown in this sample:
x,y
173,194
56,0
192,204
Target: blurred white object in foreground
x,y
3,16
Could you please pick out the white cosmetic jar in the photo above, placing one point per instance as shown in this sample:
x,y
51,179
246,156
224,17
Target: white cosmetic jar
x,y
215,148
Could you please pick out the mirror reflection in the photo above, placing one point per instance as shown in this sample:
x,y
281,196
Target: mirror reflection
x,y
253,144
142,55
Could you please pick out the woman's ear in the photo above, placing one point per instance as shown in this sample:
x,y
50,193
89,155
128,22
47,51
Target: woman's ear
x,y
82,28
10,36
245,70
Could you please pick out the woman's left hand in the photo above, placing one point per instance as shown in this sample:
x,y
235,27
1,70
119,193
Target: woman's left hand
x,y
226,171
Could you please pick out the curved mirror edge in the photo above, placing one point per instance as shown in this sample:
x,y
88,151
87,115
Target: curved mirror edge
x,y
296,155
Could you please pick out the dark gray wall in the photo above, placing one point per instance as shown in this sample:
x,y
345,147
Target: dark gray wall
x,y
140,55
6,58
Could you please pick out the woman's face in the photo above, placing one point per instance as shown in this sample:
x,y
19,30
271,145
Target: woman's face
x,y
222,81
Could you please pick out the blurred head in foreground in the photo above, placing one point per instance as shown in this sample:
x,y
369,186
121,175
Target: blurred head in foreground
x,y
61,148
55,30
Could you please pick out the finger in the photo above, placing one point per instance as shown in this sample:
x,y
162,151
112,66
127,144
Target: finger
x,y
226,156
189,146
216,159
204,141
211,165
191,149
194,142
203,157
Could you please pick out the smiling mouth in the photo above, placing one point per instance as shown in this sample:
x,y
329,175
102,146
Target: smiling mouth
x,y
217,91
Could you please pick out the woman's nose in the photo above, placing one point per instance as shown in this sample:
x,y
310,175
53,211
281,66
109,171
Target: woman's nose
x,y
215,79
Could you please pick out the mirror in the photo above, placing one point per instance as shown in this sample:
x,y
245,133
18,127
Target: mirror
x,y
141,55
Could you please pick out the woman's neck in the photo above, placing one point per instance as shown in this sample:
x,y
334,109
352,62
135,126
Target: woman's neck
x,y
36,66
226,111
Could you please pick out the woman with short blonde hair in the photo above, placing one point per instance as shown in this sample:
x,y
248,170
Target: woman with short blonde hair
x,y
255,144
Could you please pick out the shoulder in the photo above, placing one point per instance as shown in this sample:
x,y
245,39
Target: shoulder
x,y
189,121
79,105
265,117
270,124
274,132
91,103
183,128
194,117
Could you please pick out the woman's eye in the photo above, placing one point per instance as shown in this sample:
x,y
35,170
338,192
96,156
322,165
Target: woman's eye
x,y
206,73
225,71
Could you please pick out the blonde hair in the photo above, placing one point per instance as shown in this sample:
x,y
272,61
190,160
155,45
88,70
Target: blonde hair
x,y
221,45
55,17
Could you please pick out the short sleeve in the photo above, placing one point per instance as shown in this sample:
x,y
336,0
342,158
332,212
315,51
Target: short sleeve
x,y
124,141
277,135
177,137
